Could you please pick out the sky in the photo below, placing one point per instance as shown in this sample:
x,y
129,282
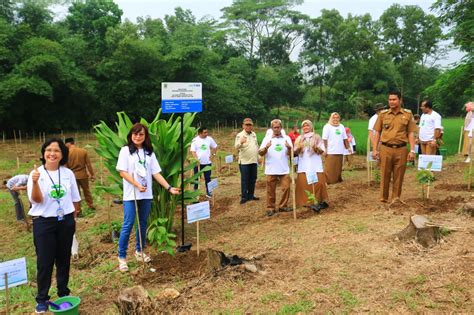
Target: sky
x,y
201,8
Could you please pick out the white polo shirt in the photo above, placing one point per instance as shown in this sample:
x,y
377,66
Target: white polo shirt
x,y
428,124
276,159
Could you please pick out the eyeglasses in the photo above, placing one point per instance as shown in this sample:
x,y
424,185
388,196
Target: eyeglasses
x,y
248,124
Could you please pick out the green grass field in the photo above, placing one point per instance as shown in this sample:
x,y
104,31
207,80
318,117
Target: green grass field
x,y
452,128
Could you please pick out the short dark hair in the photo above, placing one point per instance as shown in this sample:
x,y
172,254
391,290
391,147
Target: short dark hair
x,y
427,102
396,92
4,182
147,147
201,129
62,147
416,116
69,140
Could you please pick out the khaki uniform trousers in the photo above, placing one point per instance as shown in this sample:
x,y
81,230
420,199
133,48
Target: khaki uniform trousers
x,y
428,149
465,147
392,161
272,181
84,184
319,189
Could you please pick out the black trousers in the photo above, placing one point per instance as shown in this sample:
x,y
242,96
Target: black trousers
x,y
207,175
53,241
248,177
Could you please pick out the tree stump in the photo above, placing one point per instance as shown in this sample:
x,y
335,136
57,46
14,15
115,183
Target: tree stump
x,y
135,301
419,229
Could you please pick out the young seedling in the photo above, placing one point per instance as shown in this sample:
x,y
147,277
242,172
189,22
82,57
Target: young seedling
x,y
425,177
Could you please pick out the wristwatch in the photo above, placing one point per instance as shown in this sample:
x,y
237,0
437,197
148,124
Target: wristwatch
x,y
169,187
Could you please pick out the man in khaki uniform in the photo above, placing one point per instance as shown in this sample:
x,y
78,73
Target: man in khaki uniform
x,y
394,127
247,145
80,164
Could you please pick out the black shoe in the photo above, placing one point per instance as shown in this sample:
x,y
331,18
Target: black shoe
x,y
255,198
242,201
315,208
323,205
285,209
270,213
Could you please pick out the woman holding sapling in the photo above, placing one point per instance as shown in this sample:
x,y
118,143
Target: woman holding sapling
x,y
54,197
137,165
309,147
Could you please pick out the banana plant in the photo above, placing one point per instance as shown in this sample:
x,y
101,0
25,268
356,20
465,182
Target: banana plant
x,y
164,136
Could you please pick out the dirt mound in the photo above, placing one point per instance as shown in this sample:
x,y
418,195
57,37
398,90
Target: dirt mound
x,y
431,205
451,187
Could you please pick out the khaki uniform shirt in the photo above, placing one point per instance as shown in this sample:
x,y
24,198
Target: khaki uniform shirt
x,y
248,152
77,162
395,127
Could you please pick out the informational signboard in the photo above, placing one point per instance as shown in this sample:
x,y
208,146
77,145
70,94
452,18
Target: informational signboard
x,y
198,211
212,185
229,159
181,97
295,160
311,178
435,160
16,271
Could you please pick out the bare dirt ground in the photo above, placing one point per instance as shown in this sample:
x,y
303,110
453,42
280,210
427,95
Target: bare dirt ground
x,y
345,259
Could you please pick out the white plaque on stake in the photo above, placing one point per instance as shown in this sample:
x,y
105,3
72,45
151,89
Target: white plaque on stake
x,y
16,270
229,159
370,157
436,162
311,178
212,185
198,211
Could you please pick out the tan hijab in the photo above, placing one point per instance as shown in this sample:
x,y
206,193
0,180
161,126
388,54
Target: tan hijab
x,y
309,139
331,119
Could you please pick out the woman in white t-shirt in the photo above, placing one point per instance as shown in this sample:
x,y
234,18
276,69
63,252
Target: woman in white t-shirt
x,y
309,147
137,165
52,191
335,141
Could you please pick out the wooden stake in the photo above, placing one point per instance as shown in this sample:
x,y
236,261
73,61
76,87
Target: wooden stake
x,y
428,192
369,175
19,132
293,186
460,139
7,294
197,236
470,172
17,162
14,136
3,137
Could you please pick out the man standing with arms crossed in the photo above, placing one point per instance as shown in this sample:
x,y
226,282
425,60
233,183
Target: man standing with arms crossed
x,y
247,145
430,128
80,164
394,127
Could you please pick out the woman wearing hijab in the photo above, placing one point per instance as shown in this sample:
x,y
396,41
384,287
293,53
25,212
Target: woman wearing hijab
x,y
335,141
309,147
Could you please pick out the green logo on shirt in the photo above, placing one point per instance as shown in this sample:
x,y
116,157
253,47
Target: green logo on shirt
x,y
278,147
57,191
338,132
203,147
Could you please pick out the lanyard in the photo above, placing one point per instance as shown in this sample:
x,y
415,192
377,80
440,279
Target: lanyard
x,y
57,188
144,158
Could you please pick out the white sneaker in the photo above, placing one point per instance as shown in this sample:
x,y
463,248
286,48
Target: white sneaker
x,y
123,267
468,160
142,257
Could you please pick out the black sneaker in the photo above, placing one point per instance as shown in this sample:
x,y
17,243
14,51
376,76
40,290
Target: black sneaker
x,y
242,201
41,308
315,208
285,209
255,198
270,213
323,205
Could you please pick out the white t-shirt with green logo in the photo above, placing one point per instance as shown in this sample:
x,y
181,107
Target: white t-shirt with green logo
x,y
428,124
68,192
202,147
276,159
335,137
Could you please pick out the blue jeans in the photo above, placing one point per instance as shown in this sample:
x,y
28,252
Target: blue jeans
x,y
207,176
144,207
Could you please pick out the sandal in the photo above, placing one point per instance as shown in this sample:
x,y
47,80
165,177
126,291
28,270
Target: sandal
x,y
123,267
142,257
